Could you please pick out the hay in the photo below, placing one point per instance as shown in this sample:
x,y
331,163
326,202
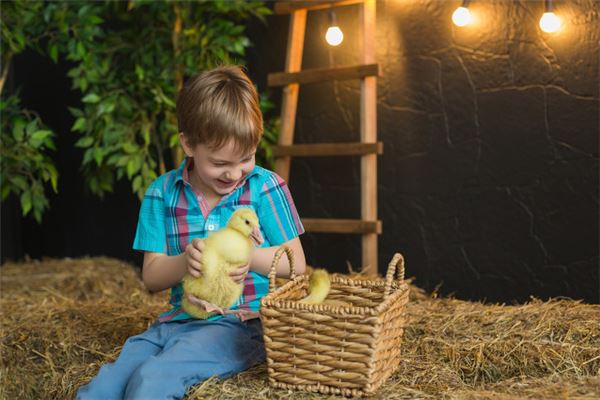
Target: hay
x,y
62,319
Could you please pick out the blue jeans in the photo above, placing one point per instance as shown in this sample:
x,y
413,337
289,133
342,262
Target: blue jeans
x,y
163,362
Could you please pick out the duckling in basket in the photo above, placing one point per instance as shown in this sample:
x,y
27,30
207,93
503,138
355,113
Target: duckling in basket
x,y
319,285
224,251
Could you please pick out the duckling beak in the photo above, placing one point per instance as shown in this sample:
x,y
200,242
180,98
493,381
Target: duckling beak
x,y
256,236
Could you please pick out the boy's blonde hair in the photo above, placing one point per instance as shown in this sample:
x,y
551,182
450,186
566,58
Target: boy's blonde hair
x,y
218,105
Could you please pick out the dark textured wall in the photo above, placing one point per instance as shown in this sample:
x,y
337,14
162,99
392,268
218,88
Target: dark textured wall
x,y
489,178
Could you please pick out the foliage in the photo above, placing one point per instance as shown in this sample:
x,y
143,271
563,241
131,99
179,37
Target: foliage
x,y
24,141
128,60
25,166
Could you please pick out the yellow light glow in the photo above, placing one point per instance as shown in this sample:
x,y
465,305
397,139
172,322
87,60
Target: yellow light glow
x,y
549,22
461,16
334,35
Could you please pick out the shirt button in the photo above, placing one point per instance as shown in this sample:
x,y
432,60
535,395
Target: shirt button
x,y
211,227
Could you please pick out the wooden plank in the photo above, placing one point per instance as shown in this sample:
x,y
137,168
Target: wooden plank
x,y
322,75
293,63
287,7
328,149
368,134
341,226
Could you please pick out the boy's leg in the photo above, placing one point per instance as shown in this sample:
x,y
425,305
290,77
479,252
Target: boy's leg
x,y
112,378
199,350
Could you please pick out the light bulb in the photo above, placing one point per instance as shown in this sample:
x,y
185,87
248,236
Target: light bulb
x,y
334,35
549,22
461,16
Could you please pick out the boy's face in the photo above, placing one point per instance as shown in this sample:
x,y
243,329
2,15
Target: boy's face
x,y
217,172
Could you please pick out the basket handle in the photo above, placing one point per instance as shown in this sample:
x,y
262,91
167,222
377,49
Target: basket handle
x,y
397,266
276,257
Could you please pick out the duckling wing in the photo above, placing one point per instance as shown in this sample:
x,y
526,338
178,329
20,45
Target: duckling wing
x,y
215,285
232,246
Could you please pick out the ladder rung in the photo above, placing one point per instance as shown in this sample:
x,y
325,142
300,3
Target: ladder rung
x,y
287,7
328,149
341,225
322,74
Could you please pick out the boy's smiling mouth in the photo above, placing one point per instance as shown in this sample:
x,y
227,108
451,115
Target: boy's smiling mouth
x,y
224,183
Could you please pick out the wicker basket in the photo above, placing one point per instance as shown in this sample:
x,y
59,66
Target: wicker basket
x,y
334,349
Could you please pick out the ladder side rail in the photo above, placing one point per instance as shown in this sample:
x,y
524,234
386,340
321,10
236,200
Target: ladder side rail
x,y
368,134
289,104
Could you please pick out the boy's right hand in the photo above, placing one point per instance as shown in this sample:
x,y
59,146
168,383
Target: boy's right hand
x,y
193,256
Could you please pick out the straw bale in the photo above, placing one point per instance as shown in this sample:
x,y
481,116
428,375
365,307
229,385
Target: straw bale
x,y
62,319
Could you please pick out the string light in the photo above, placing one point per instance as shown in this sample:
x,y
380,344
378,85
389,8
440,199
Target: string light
x,y
549,22
334,35
462,15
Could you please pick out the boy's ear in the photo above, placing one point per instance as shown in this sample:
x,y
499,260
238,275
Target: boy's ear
x,y
185,144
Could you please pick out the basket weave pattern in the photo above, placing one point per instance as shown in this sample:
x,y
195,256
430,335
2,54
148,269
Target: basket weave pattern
x,y
348,349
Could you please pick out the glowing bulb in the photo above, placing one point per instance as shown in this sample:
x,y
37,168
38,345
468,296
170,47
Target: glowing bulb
x,y
334,35
549,22
461,16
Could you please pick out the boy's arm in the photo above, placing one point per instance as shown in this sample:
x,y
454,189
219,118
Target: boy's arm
x,y
263,258
161,271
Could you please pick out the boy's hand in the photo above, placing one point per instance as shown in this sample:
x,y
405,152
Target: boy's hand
x,y
238,275
193,256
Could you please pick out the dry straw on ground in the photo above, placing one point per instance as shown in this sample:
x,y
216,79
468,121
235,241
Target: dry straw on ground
x,y
62,319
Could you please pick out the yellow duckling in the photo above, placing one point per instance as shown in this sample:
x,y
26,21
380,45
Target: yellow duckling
x,y
224,251
318,287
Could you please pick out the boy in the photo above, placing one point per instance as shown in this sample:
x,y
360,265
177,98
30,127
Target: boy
x,y
220,125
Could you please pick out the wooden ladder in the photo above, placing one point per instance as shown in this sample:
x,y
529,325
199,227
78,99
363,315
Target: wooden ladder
x,y
368,147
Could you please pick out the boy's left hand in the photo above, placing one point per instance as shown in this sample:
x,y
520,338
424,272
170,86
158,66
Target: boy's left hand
x,y
239,274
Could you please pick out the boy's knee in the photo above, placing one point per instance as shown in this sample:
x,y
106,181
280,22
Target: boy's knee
x,y
148,382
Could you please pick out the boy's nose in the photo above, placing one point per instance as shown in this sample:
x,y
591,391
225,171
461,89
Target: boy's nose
x,y
233,175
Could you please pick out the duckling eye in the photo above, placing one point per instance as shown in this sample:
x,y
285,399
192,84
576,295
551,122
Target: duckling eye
x,y
247,222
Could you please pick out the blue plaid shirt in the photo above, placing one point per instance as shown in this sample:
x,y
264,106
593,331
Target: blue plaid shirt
x,y
173,214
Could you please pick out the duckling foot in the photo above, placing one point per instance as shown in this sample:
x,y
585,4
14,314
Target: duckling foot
x,y
210,307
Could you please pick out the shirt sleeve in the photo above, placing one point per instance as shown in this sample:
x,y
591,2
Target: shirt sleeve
x,y
277,213
151,232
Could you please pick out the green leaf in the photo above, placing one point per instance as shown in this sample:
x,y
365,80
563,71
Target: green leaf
x,y
146,134
41,135
88,155
53,177
85,141
76,112
79,125
80,50
95,20
91,98
139,71
19,130
26,202
37,214
32,126
123,161
137,183
83,84
38,138
130,168
5,191
20,182
130,148
98,155
54,53
174,140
